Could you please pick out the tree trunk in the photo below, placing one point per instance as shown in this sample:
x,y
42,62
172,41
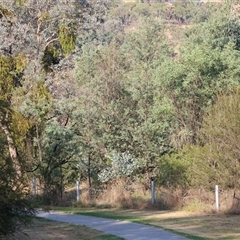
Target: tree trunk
x,y
89,172
89,177
12,149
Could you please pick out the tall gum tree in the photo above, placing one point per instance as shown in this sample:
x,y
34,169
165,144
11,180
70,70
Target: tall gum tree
x,y
11,68
50,35
117,82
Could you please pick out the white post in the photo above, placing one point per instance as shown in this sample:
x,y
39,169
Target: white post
x,y
34,187
152,192
217,197
77,188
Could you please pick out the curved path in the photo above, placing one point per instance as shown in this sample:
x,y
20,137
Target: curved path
x,y
126,230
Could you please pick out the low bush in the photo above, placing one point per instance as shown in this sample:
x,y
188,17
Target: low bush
x,y
16,208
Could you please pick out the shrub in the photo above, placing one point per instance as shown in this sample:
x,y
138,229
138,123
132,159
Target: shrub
x,y
15,207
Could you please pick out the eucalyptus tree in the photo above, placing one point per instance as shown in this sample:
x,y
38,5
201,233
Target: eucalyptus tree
x,y
35,26
99,79
124,109
146,49
205,66
207,63
41,40
24,33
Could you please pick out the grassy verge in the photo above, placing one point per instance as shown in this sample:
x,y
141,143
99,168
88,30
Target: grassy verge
x,y
47,229
192,226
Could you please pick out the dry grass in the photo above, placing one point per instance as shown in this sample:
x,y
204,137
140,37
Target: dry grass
x,y
213,226
43,229
138,196
206,226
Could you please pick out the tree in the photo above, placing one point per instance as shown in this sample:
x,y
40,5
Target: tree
x,y
16,208
11,68
40,41
60,157
146,49
122,112
215,157
97,89
120,165
220,137
204,67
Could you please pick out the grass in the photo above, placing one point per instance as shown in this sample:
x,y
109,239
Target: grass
x,y
192,226
43,229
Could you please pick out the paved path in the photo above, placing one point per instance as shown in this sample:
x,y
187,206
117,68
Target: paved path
x,y
126,230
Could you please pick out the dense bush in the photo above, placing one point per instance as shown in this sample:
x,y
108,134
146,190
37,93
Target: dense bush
x,y
15,206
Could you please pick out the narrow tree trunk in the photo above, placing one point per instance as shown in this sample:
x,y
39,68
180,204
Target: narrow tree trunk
x,y
12,148
89,173
89,176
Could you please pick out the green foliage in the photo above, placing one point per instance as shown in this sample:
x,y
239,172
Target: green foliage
x,y
37,104
122,109
4,12
45,16
214,160
39,33
11,68
184,12
220,134
219,30
67,38
204,67
174,170
7,66
121,165
97,118
15,208
51,148
21,2
139,88
20,127
58,158
51,57
188,12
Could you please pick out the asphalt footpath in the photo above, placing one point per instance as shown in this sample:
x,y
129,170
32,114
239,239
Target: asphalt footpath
x,y
124,229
